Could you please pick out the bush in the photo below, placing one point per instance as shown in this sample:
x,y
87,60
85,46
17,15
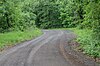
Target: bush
x,y
90,45
16,15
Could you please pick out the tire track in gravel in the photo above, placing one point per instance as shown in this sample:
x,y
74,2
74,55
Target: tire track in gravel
x,y
50,49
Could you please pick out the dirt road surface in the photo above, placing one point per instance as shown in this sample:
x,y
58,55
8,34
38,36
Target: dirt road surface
x,y
50,49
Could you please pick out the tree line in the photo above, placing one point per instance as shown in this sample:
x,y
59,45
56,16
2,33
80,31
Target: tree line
x,y
16,15
25,14
22,14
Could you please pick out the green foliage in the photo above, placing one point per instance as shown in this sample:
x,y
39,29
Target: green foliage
x,y
92,18
72,13
89,40
16,15
66,13
89,45
47,14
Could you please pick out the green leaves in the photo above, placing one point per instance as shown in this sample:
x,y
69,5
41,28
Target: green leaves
x,y
88,44
47,14
16,15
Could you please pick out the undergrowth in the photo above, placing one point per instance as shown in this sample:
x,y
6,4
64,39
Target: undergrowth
x,y
88,44
15,37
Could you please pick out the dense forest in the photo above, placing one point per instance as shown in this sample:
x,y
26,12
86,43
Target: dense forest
x,y
20,15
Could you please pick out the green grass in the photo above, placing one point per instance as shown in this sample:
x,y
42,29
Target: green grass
x,y
89,45
12,38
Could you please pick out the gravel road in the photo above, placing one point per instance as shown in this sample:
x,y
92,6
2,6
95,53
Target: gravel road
x,y
50,49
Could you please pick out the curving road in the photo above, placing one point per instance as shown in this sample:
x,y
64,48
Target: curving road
x,y
46,50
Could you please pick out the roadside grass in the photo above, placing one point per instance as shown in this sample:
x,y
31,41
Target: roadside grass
x,y
12,38
88,45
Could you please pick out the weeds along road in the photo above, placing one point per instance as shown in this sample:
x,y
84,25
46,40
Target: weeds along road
x,y
46,50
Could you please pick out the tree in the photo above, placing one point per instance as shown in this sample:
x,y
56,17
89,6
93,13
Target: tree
x,y
16,15
47,14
